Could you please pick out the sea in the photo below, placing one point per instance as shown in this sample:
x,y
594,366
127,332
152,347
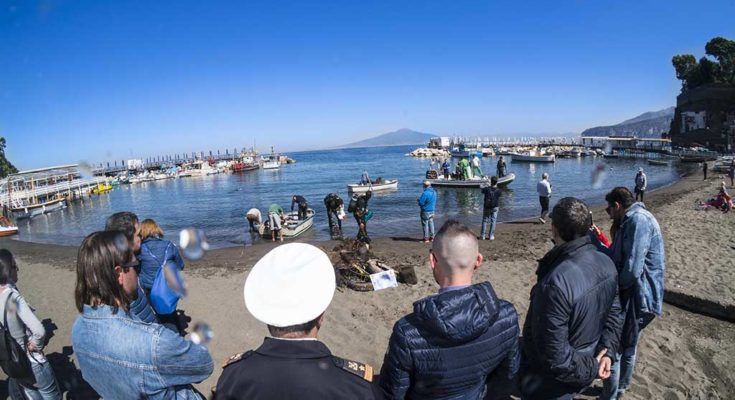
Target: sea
x,y
217,204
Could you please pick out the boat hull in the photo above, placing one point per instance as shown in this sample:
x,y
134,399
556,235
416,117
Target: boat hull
x,y
292,227
390,184
471,183
8,231
658,162
533,159
38,209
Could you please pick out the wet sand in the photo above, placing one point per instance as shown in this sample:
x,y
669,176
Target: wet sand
x,y
682,355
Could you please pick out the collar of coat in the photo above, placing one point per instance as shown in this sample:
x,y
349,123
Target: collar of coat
x,y
548,261
293,348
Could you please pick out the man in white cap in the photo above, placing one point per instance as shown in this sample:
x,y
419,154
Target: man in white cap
x,y
289,290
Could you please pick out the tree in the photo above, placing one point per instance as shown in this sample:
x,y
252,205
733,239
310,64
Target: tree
x,y
724,51
6,167
684,65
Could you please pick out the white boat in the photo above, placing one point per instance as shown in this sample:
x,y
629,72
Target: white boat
x,y
292,227
7,228
533,156
270,165
32,210
388,184
473,183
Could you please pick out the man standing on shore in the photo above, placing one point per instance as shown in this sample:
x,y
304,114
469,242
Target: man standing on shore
x,y
640,184
573,323
731,173
427,203
454,341
289,290
490,209
335,213
638,254
544,192
704,169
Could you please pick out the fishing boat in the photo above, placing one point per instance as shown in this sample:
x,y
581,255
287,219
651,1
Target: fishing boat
x,y
388,184
292,227
21,211
243,166
534,157
657,162
270,161
474,183
7,228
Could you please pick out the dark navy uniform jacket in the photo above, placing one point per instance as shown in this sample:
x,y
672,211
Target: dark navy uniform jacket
x,y
294,369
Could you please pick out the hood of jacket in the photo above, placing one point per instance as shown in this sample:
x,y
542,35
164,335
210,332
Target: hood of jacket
x,y
459,315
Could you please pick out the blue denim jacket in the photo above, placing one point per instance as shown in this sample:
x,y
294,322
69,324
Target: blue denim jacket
x,y
154,253
638,253
124,358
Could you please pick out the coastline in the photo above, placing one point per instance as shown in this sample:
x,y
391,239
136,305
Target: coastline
x,y
683,354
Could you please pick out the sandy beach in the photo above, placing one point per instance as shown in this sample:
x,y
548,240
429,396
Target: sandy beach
x,y
683,355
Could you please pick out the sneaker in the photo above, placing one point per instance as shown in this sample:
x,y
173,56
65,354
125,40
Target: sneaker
x,y
543,221
492,237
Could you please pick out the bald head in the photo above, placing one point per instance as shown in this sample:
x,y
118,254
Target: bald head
x,y
455,249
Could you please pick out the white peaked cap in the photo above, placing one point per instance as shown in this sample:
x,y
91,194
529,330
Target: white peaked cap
x,y
291,285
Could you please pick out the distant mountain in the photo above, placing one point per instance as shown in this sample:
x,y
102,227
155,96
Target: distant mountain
x,y
396,138
650,125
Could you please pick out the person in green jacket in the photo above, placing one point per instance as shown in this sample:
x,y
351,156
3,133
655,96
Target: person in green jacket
x,y
275,214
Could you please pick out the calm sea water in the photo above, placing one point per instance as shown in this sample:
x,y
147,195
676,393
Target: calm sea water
x,y
217,204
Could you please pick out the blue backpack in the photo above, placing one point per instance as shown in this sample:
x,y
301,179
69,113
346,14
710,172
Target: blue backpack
x,y
163,299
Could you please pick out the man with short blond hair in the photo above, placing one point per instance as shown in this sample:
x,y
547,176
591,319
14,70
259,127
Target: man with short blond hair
x,y
454,341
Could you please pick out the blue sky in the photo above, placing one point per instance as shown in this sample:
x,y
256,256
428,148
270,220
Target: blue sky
x,y
99,80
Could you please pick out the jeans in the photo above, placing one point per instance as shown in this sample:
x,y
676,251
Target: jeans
x,y
491,218
45,387
544,206
427,223
622,370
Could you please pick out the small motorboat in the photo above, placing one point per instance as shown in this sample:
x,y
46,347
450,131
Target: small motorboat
x,y
32,210
291,227
7,228
101,188
658,162
474,183
388,184
533,157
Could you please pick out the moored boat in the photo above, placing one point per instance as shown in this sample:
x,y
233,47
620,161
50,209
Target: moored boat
x,y
292,226
32,210
7,228
534,156
657,162
388,184
474,183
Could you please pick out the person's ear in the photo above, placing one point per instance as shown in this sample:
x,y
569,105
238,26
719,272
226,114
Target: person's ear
x,y
119,271
478,262
432,261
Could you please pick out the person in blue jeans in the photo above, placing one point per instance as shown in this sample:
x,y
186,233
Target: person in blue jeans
x,y
490,209
427,203
638,253
119,355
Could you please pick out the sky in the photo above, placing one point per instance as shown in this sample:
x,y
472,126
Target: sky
x,y
95,81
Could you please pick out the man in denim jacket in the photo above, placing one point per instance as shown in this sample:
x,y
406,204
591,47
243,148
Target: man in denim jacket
x,y
638,254
119,355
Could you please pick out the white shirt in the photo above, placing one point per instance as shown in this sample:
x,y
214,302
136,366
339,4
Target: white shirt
x,y
543,188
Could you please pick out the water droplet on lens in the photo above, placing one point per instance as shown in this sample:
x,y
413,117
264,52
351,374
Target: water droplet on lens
x,y
121,243
201,334
85,170
608,148
193,243
598,176
174,279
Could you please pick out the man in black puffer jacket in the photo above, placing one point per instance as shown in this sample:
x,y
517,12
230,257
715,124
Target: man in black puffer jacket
x,y
454,341
574,321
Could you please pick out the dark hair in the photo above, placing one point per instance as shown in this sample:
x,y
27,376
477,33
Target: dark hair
x,y
293,331
7,265
124,222
97,258
620,195
571,217
454,228
494,180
